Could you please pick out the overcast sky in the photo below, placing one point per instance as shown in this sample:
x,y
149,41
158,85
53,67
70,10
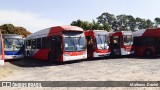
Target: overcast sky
x,y
35,15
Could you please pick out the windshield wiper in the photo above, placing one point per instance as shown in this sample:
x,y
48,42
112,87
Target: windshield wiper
x,y
79,41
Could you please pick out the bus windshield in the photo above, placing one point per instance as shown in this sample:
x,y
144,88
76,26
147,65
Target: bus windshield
x,y
12,44
102,41
75,43
128,40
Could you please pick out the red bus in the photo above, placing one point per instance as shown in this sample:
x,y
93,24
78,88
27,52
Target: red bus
x,y
147,42
1,50
121,43
97,43
57,44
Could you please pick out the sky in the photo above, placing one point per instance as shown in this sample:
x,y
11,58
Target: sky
x,y
35,15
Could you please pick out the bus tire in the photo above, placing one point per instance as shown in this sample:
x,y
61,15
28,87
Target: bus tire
x,y
148,53
50,58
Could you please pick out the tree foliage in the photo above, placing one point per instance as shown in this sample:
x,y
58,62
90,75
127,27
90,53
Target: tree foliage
x,y
157,21
107,21
11,29
91,25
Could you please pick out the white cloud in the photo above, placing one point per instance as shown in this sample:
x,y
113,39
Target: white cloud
x,y
31,21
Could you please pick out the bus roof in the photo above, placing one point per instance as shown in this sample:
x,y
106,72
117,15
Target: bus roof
x,y
121,33
148,32
12,36
53,30
97,32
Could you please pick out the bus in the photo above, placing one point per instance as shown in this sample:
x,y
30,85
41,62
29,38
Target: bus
x,y
121,43
57,44
97,43
13,46
147,42
1,50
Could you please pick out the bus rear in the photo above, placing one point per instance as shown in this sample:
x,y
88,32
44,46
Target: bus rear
x,y
147,42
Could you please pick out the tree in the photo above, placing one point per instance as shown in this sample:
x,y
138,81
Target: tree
x,y
131,24
11,29
107,19
141,23
121,22
149,24
91,25
157,21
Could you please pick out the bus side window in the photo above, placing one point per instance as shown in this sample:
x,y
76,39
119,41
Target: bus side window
x,y
34,44
39,43
28,44
44,41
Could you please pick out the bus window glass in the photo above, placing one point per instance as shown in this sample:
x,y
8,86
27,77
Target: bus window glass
x,y
128,40
45,42
12,44
38,43
75,43
144,41
102,41
34,44
81,43
28,44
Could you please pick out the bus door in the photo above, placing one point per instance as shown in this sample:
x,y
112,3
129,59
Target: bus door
x,y
90,46
1,50
115,45
56,47
157,45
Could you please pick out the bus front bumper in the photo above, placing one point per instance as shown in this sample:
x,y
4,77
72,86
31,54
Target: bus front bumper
x,y
72,58
14,56
95,54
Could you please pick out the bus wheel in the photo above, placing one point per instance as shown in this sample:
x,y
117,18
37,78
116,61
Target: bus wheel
x,y
50,58
148,53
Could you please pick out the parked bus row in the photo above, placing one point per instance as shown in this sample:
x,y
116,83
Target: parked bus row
x,y
66,43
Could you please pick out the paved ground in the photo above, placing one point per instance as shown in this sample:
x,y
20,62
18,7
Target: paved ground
x,y
105,69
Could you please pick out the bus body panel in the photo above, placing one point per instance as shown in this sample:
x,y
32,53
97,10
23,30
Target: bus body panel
x,y
140,51
14,54
74,56
1,50
93,50
41,54
101,53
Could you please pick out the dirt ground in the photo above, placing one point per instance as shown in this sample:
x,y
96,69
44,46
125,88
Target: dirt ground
x,y
105,69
